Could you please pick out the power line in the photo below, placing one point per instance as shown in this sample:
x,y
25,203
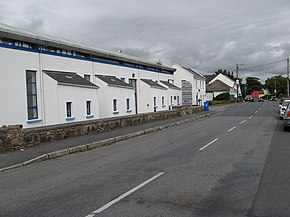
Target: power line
x,y
266,64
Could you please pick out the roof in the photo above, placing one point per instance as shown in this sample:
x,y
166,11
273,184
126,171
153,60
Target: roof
x,y
171,86
70,79
208,78
153,84
194,72
114,81
45,40
217,86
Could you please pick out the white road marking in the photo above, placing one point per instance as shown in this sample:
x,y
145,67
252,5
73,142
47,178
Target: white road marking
x,y
243,121
208,144
256,112
250,116
124,195
260,108
231,129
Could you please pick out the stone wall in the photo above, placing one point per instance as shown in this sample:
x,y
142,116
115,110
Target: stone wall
x,y
15,137
11,138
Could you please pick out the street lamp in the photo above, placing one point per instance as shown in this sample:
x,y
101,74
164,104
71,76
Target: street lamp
x,y
237,80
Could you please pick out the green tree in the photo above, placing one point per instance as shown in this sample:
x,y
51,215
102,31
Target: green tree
x,y
277,83
252,84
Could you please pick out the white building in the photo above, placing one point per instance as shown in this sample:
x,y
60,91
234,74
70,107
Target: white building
x,y
34,66
173,94
117,98
153,96
196,81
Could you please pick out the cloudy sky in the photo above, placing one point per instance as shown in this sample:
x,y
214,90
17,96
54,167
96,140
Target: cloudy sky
x,y
202,34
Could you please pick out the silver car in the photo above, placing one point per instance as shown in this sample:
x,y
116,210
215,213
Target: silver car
x,y
283,108
286,118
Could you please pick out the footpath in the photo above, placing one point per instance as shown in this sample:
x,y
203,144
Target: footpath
x,y
50,150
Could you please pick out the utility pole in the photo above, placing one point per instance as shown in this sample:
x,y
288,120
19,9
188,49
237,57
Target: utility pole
x,y
287,78
237,80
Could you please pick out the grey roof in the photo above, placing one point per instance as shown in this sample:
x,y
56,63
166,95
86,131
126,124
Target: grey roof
x,y
114,81
171,86
217,86
153,84
208,78
42,39
195,73
70,79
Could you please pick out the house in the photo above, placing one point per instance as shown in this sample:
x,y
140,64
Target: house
x,y
117,98
153,96
192,84
69,98
173,94
218,84
216,88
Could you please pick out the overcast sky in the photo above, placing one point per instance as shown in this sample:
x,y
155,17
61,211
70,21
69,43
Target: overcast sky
x,y
202,34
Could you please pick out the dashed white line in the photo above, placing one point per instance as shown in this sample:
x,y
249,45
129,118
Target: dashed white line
x,y
250,116
231,129
124,195
256,112
243,121
208,144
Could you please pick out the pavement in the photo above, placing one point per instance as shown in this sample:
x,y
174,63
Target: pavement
x,y
54,149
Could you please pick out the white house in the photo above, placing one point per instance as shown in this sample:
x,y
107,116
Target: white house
x,y
173,93
188,78
153,96
117,98
36,65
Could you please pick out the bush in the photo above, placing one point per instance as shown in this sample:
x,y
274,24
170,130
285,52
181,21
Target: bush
x,y
223,96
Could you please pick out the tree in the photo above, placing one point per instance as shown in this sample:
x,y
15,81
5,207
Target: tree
x,y
253,84
277,83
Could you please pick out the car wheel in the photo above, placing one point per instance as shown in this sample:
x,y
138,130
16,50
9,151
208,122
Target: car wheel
x,y
286,128
281,118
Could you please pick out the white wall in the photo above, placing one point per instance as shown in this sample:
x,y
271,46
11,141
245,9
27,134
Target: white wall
x,y
13,109
56,97
108,93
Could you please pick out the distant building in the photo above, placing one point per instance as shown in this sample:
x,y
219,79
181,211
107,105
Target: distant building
x,y
192,80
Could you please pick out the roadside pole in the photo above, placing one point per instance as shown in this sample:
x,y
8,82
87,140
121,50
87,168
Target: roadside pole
x,y
287,78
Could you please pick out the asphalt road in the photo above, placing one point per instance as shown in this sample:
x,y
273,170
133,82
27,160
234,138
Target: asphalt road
x,y
233,164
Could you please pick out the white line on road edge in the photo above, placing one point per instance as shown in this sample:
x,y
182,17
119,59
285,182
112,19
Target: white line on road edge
x,y
231,129
208,144
243,121
124,195
250,116
256,112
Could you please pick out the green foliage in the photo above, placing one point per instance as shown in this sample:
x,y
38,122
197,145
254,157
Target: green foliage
x,y
279,83
252,84
223,96
220,102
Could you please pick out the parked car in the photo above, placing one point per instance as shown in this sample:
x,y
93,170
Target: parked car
x,y
286,118
249,98
283,108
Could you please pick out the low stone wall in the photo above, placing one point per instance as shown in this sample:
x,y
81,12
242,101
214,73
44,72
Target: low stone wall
x,y
11,138
15,137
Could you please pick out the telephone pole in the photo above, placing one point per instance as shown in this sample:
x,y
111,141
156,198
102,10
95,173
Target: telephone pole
x,y
287,77
237,80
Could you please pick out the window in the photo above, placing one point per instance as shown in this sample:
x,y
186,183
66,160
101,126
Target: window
x,y
115,105
89,108
128,104
123,79
162,101
154,102
178,100
68,109
31,92
171,100
87,77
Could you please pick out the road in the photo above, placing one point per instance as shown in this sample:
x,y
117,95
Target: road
x,y
232,164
